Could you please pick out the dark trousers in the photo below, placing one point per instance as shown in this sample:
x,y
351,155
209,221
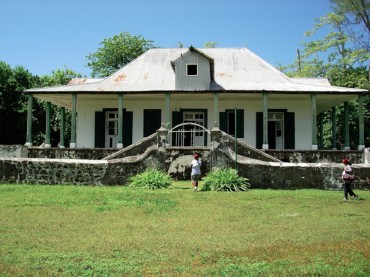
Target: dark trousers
x,y
347,189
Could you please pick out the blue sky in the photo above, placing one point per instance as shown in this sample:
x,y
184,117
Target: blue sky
x,y
44,35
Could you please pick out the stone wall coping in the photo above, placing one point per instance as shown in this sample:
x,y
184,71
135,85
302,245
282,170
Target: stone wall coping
x,y
134,159
68,161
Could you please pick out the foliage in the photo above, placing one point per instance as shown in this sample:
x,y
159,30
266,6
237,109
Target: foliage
x,y
116,52
116,231
58,77
151,179
356,20
226,179
342,57
13,103
210,44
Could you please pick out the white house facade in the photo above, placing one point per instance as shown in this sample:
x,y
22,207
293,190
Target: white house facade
x,y
232,88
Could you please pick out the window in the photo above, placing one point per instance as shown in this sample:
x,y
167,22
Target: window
x,y
191,70
230,123
227,122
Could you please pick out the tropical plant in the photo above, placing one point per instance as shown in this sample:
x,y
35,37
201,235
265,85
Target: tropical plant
x,y
226,179
115,52
151,179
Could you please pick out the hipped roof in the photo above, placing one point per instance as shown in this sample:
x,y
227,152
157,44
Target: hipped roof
x,y
235,70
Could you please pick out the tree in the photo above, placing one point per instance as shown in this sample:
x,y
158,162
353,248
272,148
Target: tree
x,y
356,14
13,103
210,44
58,77
342,56
116,52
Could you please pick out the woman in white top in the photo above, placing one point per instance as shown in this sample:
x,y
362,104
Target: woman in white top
x,y
195,171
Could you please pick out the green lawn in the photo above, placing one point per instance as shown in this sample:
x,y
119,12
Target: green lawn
x,y
118,231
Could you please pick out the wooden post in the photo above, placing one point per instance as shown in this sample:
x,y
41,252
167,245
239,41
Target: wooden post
x,y
73,123
47,127
29,121
265,121
168,118
346,127
361,138
62,126
334,128
314,121
215,108
120,121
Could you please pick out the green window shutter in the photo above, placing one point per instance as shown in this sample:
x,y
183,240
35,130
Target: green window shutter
x,y
259,130
177,118
127,128
289,131
240,123
152,121
223,121
99,129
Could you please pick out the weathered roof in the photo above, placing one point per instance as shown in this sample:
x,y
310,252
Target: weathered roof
x,y
76,81
312,81
235,69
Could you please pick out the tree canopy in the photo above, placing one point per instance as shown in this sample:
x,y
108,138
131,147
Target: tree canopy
x,y
13,104
115,52
343,57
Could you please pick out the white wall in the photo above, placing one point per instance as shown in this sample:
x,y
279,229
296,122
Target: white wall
x,y
302,109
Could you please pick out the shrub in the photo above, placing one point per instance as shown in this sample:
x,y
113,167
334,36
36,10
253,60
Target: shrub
x,y
151,179
226,179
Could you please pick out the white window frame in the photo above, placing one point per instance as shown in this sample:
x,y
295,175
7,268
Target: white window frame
x,y
187,67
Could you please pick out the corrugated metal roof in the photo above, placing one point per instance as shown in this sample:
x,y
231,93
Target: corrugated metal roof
x,y
76,81
235,69
312,81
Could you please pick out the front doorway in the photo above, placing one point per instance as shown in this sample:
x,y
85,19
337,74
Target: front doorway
x,y
193,135
189,128
276,130
111,131
106,128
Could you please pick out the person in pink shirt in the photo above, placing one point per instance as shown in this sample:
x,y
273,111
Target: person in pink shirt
x,y
348,177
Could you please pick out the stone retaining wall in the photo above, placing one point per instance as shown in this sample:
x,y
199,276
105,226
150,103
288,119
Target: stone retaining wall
x,y
13,151
70,153
178,161
262,170
317,156
52,171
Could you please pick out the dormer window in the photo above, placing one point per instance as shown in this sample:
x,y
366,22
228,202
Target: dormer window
x,y
191,69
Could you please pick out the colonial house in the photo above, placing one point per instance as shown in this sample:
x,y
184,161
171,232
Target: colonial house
x,y
190,90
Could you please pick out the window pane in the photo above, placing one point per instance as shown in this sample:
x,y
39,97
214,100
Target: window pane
x,y
192,70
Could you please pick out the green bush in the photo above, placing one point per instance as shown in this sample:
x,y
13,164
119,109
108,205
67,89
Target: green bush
x,y
151,179
226,179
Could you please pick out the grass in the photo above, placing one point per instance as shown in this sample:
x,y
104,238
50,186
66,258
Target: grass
x,y
120,231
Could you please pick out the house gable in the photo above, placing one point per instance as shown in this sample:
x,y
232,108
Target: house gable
x,y
193,71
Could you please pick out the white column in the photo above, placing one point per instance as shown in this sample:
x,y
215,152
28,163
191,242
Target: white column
x,y
314,123
265,121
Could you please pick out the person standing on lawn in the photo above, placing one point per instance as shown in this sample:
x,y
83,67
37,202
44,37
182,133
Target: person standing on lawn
x,y
348,176
195,171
